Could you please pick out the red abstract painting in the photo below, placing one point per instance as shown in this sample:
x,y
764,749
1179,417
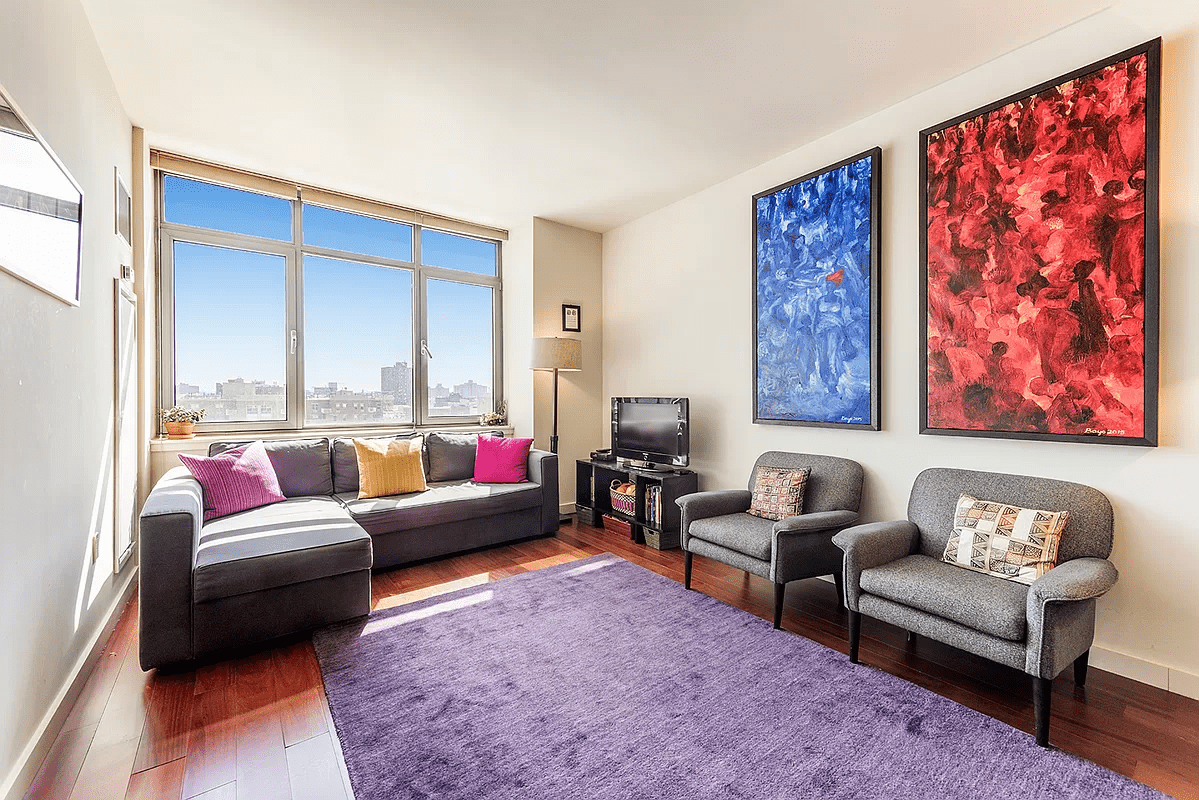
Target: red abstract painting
x,y
1040,290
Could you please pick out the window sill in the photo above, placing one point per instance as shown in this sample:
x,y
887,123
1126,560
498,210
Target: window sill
x,y
161,444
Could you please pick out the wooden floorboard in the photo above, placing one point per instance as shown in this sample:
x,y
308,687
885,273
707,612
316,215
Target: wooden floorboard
x,y
256,726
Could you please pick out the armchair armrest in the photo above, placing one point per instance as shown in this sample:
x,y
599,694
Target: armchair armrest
x,y
1060,612
543,470
700,505
873,545
170,528
817,521
1078,579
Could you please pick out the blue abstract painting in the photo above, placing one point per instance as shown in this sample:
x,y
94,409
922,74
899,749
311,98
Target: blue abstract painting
x,y
816,259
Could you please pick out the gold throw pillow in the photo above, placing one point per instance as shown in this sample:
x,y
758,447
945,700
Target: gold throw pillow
x,y
389,466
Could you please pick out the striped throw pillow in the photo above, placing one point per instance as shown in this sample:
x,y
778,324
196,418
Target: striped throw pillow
x,y
236,480
389,466
1007,541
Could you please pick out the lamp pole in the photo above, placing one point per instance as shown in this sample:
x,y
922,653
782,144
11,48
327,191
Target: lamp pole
x,y
554,432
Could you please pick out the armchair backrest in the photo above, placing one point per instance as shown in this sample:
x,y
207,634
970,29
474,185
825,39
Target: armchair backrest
x,y
834,485
935,493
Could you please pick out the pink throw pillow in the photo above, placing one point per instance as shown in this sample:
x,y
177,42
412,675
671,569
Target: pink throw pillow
x,y
235,480
502,460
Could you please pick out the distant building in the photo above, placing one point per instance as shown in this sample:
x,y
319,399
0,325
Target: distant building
x,y
186,389
471,390
396,381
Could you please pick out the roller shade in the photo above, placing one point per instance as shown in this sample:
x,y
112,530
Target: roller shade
x,y
243,179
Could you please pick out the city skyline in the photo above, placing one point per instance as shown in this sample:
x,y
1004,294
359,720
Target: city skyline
x,y
239,399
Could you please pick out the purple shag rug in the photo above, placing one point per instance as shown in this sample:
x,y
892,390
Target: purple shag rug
x,y
600,679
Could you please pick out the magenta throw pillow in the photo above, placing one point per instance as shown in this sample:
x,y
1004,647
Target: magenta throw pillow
x,y
502,460
235,480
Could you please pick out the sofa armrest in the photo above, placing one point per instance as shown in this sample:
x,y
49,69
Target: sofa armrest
x,y
1078,579
816,521
543,470
170,528
1060,612
700,505
873,545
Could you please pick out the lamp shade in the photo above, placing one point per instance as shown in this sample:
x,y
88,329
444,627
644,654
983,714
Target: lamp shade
x,y
552,352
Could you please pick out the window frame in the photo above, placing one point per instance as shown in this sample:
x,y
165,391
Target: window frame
x,y
168,234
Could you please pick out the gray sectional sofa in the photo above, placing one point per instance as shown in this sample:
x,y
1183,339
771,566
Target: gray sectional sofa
x,y
306,562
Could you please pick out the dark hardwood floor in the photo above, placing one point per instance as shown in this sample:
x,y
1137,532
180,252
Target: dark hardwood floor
x,y
257,726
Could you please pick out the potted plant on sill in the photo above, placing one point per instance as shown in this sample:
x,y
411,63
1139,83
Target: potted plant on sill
x,y
181,422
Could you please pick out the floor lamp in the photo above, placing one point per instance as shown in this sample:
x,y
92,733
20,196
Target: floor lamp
x,y
560,355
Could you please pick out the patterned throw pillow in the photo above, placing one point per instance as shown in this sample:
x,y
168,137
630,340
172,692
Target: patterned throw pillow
x,y
389,466
1019,544
778,492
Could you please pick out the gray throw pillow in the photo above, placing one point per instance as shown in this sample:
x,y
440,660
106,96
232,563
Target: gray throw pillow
x,y
452,455
302,465
345,461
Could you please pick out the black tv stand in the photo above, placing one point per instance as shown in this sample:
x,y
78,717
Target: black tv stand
x,y
655,524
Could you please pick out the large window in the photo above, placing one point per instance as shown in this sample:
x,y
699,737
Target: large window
x,y
278,312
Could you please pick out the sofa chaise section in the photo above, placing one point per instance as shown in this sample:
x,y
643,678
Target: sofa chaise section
x,y
248,577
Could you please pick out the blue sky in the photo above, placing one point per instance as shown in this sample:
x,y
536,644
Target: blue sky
x,y
230,318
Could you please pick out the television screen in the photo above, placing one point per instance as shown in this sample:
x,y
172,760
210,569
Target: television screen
x,y
651,429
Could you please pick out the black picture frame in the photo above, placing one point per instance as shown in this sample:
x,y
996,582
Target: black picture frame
x,y
1151,51
872,296
572,318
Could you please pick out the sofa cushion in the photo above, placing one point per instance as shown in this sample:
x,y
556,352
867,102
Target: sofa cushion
x,y
499,460
235,480
749,535
443,502
1004,540
301,539
302,465
389,466
452,456
345,462
778,492
978,601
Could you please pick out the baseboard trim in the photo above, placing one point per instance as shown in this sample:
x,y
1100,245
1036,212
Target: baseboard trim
x,y
1173,680
25,770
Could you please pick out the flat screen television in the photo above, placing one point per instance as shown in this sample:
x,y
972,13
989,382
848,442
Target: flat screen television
x,y
651,430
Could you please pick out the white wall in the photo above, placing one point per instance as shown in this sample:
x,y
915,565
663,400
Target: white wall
x,y
518,327
694,258
56,382
566,269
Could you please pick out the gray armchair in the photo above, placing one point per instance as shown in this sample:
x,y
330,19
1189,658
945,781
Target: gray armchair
x,y
894,572
715,525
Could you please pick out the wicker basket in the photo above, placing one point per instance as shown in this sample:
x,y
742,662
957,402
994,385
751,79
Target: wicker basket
x,y
622,502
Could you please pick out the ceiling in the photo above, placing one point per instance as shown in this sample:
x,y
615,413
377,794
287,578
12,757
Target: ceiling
x,y
588,113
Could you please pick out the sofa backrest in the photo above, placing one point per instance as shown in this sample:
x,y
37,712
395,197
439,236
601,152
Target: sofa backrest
x,y
835,484
1088,531
446,456
302,465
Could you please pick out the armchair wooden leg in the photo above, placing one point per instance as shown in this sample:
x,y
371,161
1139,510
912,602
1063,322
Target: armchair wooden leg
x,y
855,632
779,590
1080,669
911,637
1042,691
687,569
839,580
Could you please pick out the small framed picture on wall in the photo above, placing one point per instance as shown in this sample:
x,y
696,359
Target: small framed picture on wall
x,y
570,318
124,210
